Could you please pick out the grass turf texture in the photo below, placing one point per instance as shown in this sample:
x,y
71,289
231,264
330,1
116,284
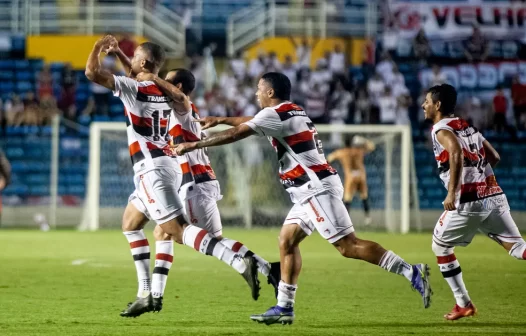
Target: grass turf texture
x,y
42,293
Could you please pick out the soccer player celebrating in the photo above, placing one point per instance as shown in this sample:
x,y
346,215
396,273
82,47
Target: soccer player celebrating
x,y
199,190
157,179
314,187
355,176
474,200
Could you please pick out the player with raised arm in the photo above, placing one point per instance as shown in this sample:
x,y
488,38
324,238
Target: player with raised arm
x,y
355,177
474,201
157,179
200,189
314,187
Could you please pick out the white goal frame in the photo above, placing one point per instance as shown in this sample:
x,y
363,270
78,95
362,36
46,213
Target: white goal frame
x,y
90,219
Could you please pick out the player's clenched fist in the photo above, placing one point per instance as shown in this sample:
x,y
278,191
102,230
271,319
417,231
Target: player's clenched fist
x,y
208,122
449,203
184,148
108,43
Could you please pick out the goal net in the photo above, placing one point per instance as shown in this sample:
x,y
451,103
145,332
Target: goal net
x,y
247,172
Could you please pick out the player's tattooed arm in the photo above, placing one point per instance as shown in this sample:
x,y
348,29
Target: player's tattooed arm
x,y
178,97
231,135
450,143
94,71
209,122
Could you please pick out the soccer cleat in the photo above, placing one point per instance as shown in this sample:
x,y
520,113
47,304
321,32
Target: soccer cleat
x,y
368,221
420,282
274,276
139,307
157,304
274,315
459,312
251,276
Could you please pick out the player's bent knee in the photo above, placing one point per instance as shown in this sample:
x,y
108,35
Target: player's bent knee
x,y
159,234
290,237
347,246
440,250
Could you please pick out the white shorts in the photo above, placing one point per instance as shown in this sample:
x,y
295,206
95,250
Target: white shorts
x,y
454,229
156,194
202,212
324,212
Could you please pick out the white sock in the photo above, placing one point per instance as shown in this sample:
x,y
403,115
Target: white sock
x,y
452,273
286,295
518,250
204,243
242,250
395,264
164,256
140,250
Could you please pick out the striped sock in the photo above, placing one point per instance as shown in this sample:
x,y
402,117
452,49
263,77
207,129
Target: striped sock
x,y
204,243
242,250
140,250
451,271
518,250
395,264
164,256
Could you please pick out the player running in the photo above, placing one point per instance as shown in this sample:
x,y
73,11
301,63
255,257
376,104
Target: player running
x,y
200,189
314,187
157,179
474,201
355,177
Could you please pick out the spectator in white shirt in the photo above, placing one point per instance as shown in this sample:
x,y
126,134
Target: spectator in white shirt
x,y
388,107
228,83
290,70
438,77
303,53
257,66
239,66
337,60
375,88
385,67
273,64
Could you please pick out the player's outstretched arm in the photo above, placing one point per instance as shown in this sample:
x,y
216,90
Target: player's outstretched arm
x,y
231,135
492,156
94,71
209,122
450,143
179,98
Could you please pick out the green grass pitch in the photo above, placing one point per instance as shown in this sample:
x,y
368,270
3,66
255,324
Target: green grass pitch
x,y
43,293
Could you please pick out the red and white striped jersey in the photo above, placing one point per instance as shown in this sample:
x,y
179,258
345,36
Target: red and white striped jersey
x,y
198,176
149,117
478,180
303,171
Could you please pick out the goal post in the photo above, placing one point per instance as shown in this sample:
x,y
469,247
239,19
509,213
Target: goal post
x,y
247,172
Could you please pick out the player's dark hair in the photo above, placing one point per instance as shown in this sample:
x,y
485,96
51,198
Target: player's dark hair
x,y
186,78
446,95
156,54
280,83
348,141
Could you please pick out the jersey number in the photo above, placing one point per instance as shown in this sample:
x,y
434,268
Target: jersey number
x,y
479,163
316,138
156,124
